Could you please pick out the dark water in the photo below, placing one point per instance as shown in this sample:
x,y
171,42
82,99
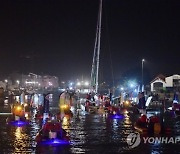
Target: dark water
x,y
90,133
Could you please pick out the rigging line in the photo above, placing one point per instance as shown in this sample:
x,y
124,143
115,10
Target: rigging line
x,y
109,48
99,44
94,56
95,65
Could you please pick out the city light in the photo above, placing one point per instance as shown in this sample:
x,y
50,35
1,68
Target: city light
x,y
18,81
50,84
31,82
86,83
131,85
78,84
122,88
6,80
71,83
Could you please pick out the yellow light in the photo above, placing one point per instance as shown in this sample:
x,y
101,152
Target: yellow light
x,y
65,123
127,102
126,112
25,104
19,108
26,115
18,133
65,120
64,106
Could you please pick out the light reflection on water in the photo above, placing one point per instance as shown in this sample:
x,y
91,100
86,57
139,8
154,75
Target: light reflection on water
x,y
89,134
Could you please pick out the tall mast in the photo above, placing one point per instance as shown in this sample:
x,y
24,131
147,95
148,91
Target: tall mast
x,y
95,64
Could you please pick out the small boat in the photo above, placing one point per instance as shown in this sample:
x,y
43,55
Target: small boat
x,y
114,113
150,126
52,133
18,117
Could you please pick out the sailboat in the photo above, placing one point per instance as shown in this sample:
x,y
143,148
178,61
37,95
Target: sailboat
x,y
95,63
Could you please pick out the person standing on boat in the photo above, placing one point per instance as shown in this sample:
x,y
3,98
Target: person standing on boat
x,y
142,104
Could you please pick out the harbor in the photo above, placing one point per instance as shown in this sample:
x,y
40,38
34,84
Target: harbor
x,y
95,77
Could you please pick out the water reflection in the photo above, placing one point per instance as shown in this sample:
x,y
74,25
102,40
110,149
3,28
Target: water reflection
x,y
21,139
89,133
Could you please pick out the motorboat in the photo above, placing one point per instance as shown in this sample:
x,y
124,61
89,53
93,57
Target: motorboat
x,y
150,126
52,133
114,113
18,117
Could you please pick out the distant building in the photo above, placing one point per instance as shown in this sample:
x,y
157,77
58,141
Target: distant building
x,y
50,81
33,81
168,83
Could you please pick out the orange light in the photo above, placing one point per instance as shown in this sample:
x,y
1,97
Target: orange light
x,y
64,106
19,108
127,102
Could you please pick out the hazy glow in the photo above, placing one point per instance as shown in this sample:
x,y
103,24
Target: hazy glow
x,y
55,142
64,106
86,83
116,116
131,85
31,82
19,108
50,84
78,84
18,123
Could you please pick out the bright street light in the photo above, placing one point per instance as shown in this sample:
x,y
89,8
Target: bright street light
x,y
78,84
131,85
143,60
86,83
18,81
71,83
6,80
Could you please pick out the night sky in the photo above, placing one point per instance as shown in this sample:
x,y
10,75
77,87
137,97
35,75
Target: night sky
x,y
57,37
